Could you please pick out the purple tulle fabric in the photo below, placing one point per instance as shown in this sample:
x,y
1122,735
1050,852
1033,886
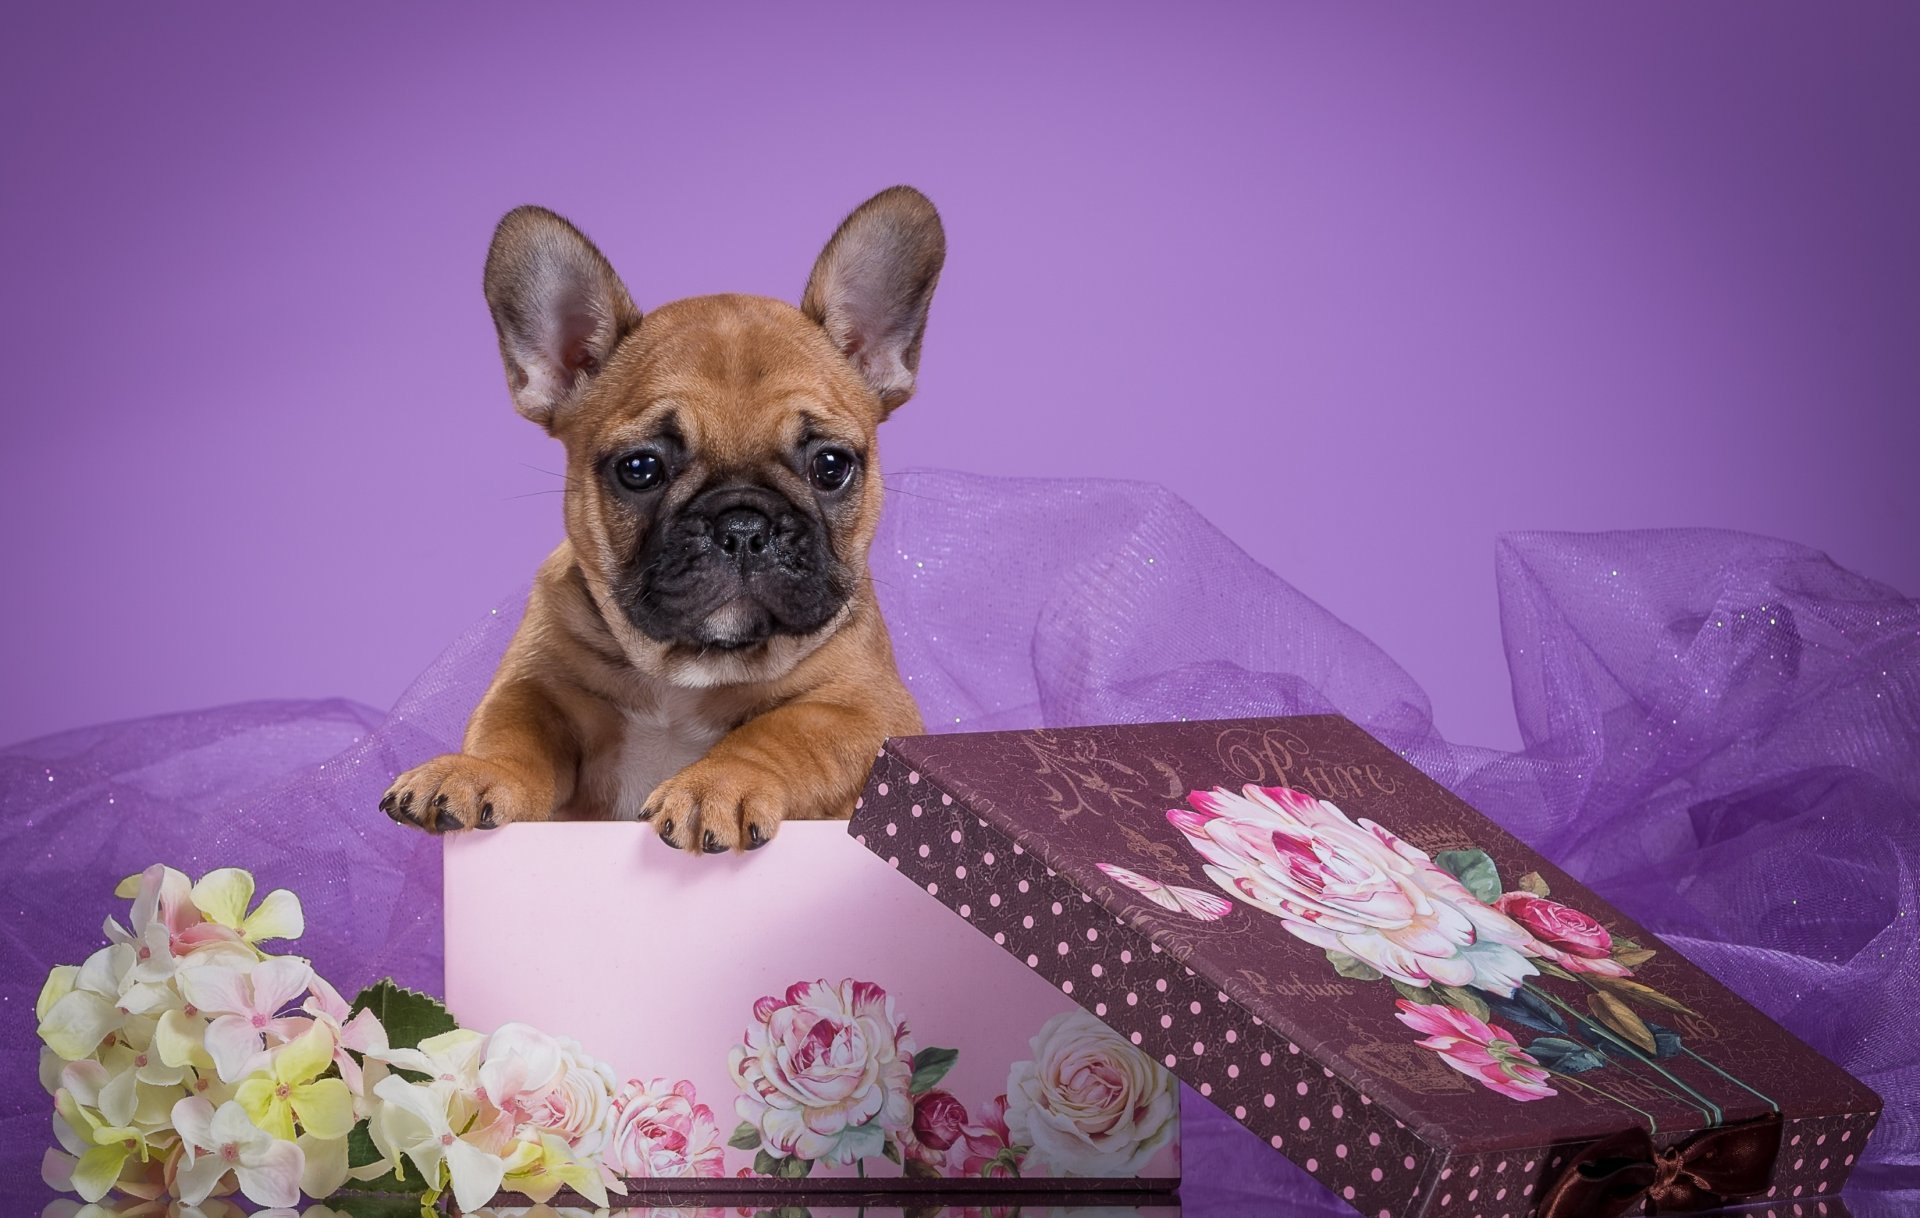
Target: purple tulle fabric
x,y
1722,736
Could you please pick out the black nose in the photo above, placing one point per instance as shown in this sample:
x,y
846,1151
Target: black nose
x,y
743,531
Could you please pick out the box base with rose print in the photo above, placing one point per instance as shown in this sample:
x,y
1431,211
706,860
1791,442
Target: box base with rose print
x,y
1374,978
800,1017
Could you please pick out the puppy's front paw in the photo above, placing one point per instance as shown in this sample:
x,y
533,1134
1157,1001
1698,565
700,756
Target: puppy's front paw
x,y
714,807
457,792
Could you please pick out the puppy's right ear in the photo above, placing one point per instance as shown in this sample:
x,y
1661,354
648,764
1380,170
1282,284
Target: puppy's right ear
x,y
559,308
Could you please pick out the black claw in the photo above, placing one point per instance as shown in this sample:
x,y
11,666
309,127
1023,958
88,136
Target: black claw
x,y
404,809
386,802
666,834
446,821
486,817
440,803
647,814
754,839
710,843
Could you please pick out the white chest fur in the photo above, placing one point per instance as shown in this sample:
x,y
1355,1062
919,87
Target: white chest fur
x,y
655,743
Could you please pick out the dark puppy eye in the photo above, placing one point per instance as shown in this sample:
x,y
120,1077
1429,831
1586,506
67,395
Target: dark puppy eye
x,y
831,468
640,471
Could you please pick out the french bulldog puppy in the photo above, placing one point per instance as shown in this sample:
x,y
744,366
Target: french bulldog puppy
x,y
703,651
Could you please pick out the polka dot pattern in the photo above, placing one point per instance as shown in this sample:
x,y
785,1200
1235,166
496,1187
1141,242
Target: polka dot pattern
x,y
1171,1012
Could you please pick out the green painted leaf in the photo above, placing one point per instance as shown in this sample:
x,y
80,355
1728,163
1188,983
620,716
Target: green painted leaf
x,y
1565,1056
1473,868
1550,969
1534,883
1352,967
890,1150
745,1137
929,1067
408,1015
916,1170
793,1167
766,1164
1465,999
1666,1041
1412,993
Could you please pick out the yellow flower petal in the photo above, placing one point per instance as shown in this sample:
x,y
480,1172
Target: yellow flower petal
x,y
325,1108
179,1038
59,985
95,1173
256,1096
74,1025
306,1056
279,917
223,895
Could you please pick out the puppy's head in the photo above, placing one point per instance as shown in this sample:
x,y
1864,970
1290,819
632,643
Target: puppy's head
x,y
722,481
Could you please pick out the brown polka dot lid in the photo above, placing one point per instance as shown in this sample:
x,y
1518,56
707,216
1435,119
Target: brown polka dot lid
x,y
1378,981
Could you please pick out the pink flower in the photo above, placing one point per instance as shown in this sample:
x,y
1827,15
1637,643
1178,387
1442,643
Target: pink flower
x,y
1353,888
1563,935
986,1147
938,1119
247,1005
1484,1052
547,1084
823,1075
660,1131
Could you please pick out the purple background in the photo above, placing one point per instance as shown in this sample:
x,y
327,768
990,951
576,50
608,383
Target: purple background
x,y
1367,287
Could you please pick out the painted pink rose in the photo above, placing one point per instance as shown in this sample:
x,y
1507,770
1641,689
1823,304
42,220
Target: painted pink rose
x,y
1563,935
662,1131
938,1119
1484,1052
1353,888
985,1147
823,1075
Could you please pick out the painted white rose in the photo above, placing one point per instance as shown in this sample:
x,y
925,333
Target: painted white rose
x,y
1353,888
1089,1103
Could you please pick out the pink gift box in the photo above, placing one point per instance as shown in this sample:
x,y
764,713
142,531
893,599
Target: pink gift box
x,y
794,1005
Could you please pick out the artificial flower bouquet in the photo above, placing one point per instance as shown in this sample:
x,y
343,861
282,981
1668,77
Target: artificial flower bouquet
x,y
187,1062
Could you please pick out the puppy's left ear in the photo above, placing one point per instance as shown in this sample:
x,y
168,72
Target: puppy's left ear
x,y
872,284
558,307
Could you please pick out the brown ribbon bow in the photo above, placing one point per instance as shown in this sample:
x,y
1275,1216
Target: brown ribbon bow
x,y
1705,1172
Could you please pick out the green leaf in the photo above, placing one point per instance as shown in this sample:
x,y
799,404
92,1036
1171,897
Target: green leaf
x,y
916,1170
929,1067
1565,1056
1549,969
890,1150
1534,883
1666,1041
360,1152
1412,993
1352,967
1464,999
408,1015
1475,869
787,1168
745,1137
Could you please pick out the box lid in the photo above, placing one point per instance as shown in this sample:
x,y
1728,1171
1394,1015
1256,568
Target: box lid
x,y
1230,893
